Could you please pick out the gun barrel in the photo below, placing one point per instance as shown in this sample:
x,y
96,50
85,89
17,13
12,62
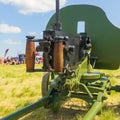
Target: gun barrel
x,y
57,25
57,12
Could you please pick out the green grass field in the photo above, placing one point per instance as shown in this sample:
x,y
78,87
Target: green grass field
x,y
19,88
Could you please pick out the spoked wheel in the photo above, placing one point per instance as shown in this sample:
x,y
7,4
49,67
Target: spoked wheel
x,y
54,104
46,80
58,57
30,55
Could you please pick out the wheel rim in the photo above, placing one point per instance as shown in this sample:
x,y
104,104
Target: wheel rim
x,y
46,80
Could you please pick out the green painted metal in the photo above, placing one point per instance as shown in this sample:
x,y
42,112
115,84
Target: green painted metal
x,y
85,88
96,107
73,82
104,35
27,109
90,76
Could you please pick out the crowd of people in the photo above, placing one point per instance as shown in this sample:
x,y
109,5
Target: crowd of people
x,y
18,60
11,60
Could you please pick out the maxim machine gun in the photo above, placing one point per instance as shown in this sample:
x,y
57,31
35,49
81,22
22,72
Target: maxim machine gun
x,y
68,59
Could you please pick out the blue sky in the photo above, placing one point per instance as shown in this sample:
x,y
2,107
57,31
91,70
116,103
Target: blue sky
x,y
19,18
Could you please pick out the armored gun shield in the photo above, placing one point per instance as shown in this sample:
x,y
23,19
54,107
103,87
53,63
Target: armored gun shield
x,y
104,35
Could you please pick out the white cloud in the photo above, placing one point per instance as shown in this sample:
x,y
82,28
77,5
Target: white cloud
x,y
32,33
5,28
12,42
41,33
5,1
33,6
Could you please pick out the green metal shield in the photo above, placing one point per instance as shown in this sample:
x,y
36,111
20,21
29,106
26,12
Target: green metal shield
x,y
104,35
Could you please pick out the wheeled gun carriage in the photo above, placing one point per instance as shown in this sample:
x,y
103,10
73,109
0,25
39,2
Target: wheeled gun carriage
x,y
68,60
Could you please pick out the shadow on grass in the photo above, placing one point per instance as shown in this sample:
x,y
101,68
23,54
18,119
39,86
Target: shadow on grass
x,y
74,109
63,114
68,111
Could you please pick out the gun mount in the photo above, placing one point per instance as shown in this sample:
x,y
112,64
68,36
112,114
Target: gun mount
x,y
67,67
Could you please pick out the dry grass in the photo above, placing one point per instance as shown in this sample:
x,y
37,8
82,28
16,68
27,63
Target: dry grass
x,y
18,89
